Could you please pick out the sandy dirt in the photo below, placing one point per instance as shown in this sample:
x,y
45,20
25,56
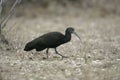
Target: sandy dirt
x,y
95,57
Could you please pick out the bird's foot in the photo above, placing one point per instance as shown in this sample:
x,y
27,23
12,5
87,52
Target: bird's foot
x,y
64,57
45,58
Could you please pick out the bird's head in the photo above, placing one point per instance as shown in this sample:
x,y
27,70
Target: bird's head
x,y
71,30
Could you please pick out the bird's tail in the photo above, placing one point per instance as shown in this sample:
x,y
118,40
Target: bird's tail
x,y
29,46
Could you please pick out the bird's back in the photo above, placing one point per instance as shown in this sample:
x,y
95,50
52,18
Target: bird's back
x,y
52,39
49,40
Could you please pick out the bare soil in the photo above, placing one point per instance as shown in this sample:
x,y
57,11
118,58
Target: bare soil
x,y
95,57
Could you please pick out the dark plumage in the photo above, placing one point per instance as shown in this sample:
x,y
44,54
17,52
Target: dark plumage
x,y
50,40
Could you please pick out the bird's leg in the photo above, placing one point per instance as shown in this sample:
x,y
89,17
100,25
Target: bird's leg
x,y
47,52
60,54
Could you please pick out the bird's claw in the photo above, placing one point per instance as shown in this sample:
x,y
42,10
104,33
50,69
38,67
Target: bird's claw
x,y
64,57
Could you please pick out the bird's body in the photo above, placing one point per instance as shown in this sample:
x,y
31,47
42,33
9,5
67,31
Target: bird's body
x,y
49,40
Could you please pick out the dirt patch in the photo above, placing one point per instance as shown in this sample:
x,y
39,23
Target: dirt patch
x,y
96,57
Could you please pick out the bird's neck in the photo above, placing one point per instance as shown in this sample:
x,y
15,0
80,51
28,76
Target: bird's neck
x,y
67,37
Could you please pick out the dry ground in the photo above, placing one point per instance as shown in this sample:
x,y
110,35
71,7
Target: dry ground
x,y
96,57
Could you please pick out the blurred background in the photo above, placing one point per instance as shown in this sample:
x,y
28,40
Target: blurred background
x,y
105,7
96,57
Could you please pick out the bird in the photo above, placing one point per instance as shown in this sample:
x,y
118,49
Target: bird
x,y
51,40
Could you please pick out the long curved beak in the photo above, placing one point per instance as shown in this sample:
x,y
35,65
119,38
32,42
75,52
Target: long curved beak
x,y
77,35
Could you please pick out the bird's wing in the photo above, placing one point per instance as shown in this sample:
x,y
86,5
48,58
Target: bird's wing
x,y
53,38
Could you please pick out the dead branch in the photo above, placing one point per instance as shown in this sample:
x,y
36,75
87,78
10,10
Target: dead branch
x,y
5,18
10,13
